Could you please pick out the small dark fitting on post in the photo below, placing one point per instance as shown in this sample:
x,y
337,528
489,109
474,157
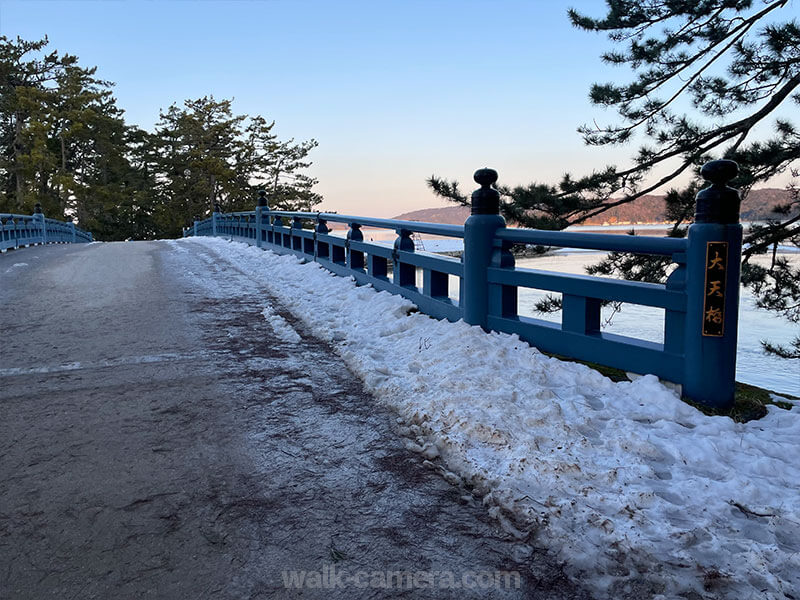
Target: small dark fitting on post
x,y
718,203
486,199
262,199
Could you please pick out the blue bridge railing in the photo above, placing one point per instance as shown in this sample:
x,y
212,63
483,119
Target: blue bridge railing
x,y
700,297
18,231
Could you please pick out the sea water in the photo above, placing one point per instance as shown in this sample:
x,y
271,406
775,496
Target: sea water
x,y
753,365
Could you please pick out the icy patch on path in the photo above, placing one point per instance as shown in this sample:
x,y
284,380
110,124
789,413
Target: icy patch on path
x,y
16,266
641,493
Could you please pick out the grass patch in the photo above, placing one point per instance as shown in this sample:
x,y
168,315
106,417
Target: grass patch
x,y
610,372
750,401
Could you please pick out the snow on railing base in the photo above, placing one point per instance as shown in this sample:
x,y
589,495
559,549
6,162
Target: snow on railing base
x,y
700,297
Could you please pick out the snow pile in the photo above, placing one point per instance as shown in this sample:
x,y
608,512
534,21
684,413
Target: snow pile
x,y
642,494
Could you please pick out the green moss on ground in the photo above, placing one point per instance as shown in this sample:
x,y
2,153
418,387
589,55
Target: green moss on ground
x,y
749,403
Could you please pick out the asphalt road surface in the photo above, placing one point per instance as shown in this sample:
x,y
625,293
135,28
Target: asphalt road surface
x,y
158,440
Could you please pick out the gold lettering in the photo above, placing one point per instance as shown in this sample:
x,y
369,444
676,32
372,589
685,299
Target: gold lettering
x,y
716,289
716,262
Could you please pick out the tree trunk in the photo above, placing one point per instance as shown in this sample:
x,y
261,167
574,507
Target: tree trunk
x,y
17,166
62,197
213,194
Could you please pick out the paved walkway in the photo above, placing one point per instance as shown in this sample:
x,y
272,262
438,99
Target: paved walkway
x,y
158,440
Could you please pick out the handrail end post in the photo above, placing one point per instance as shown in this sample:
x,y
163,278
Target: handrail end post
x,y
713,268
39,216
479,233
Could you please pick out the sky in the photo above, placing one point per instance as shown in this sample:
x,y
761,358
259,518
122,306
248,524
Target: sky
x,y
394,91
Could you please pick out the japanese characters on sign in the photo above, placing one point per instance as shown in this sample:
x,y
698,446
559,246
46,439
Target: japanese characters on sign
x,y
714,302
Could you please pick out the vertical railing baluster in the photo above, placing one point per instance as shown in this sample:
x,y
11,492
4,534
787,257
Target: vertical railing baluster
x,y
675,321
378,266
277,222
503,298
580,314
435,283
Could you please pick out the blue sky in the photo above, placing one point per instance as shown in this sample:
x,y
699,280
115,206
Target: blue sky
x,y
393,91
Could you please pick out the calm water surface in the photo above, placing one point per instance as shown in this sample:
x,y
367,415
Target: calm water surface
x,y
753,365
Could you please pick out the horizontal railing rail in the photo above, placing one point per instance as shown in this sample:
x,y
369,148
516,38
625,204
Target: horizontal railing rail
x,y
699,341
18,231
595,241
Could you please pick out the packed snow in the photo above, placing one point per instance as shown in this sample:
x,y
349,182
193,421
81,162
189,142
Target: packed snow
x,y
279,325
639,493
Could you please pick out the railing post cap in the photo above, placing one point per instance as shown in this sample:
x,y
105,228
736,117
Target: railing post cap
x,y
262,198
217,207
719,172
37,209
486,199
718,203
485,177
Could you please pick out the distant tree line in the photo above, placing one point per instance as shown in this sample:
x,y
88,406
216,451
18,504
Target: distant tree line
x,y
65,144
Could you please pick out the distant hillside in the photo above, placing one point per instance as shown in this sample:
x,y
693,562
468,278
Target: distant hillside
x,y
647,209
449,215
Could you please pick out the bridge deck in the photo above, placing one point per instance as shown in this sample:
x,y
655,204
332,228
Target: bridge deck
x,y
159,440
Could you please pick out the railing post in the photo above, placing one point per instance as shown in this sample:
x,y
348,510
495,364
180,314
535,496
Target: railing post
x,y
296,242
321,249
261,206
195,219
712,286
72,229
479,233
39,216
403,274
355,259
277,237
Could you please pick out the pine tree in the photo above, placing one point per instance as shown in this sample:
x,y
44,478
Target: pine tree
x,y
708,77
64,141
208,156
26,79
